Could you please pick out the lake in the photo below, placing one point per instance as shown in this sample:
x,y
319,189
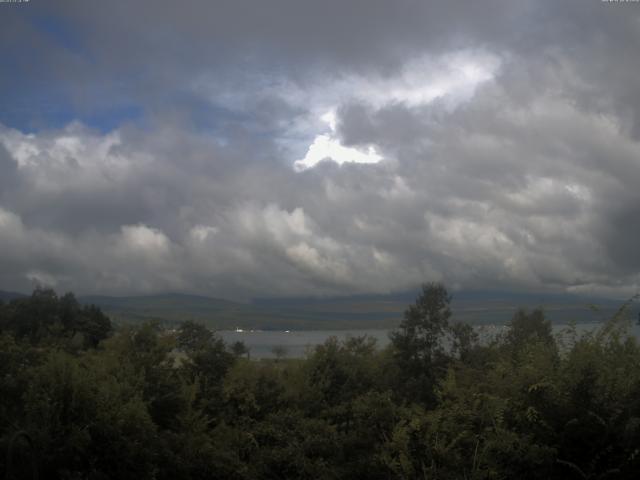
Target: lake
x,y
296,344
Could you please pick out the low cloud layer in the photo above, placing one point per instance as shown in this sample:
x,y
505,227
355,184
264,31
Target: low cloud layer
x,y
486,146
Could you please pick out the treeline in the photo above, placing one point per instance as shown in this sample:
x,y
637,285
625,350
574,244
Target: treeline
x,y
82,401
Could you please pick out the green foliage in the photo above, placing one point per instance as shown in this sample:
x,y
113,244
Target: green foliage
x,y
193,336
418,343
81,401
338,372
46,318
288,444
82,419
526,328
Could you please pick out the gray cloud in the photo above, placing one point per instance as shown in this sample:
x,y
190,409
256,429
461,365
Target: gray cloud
x,y
9,169
509,132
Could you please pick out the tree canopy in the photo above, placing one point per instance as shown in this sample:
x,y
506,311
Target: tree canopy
x,y
82,399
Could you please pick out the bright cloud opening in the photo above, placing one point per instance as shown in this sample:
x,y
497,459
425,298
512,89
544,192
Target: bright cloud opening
x,y
453,77
327,147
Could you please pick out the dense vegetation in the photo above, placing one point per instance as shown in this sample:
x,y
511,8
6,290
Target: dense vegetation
x,y
80,400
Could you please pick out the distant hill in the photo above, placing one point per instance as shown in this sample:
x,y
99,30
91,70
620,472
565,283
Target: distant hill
x,y
476,307
350,312
171,307
498,307
8,296
269,315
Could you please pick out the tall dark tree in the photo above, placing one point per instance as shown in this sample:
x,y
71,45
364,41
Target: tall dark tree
x,y
418,343
526,328
193,336
58,320
207,362
239,349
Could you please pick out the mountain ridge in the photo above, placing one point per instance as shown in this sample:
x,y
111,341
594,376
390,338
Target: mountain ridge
x,y
366,311
356,311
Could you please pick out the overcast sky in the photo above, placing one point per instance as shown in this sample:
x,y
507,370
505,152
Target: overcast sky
x,y
250,148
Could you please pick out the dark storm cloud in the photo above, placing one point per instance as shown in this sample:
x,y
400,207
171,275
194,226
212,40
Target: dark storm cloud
x,y
509,132
97,54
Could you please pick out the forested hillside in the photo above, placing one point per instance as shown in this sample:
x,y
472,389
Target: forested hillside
x,y
80,400
344,312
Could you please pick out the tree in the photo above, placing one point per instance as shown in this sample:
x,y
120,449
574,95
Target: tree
x,y
193,336
279,351
464,341
239,349
208,361
417,344
529,327
88,421
94,325
62,321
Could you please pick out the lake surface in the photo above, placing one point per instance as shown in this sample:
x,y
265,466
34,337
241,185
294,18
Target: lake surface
x,y
297,344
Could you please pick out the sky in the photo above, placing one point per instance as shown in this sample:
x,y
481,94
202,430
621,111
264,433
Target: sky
x,y
253,148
